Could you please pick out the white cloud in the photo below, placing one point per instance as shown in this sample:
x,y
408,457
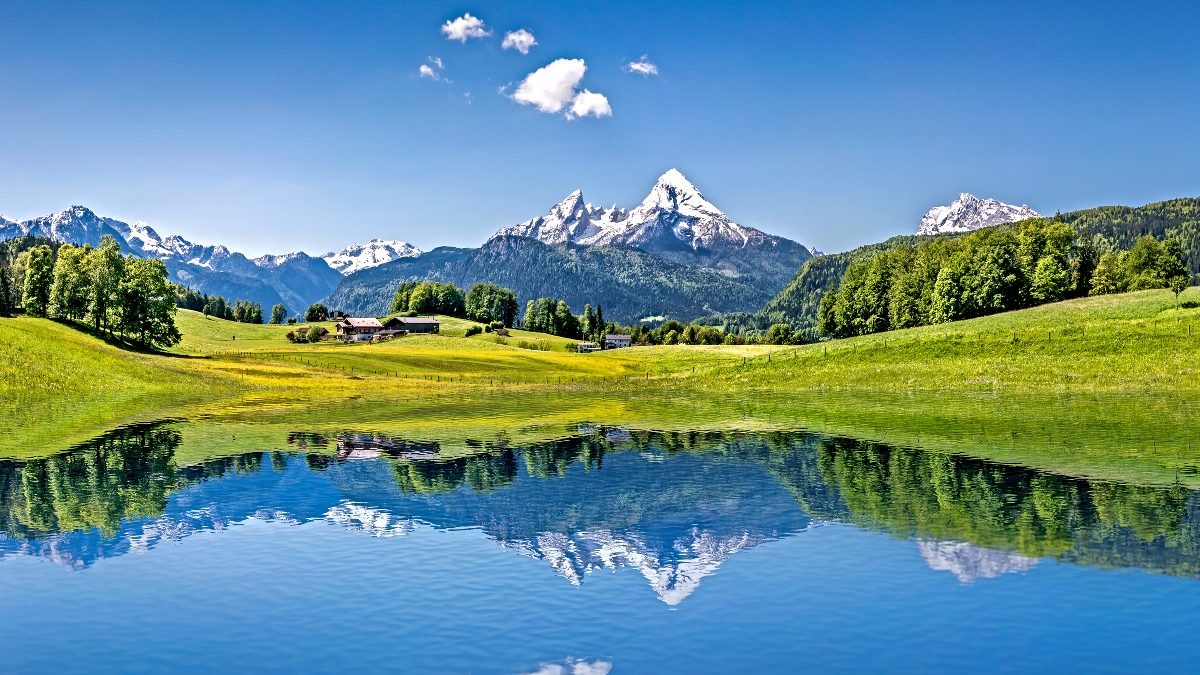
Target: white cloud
x,y
431,70
554,87
520,40
642,66
464,28
589,103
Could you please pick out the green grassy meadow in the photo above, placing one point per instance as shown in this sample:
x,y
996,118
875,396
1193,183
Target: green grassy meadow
x,y
1104,387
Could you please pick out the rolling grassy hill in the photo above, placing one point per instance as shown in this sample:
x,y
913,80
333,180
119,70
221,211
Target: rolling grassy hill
x,y
1122,373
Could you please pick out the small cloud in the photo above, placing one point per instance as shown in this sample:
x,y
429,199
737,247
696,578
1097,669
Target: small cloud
x,y
553,88
642,67
520,40
464,28
468,98
503,89
589,103
432,70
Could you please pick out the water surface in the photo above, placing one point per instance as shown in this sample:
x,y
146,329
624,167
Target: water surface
x,y
603,549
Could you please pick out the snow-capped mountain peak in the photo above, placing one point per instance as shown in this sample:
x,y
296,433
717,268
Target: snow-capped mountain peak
x,y
674,216
376,252
968,212
675,192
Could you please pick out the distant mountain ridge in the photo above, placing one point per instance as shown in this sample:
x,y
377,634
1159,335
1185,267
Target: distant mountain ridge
x,y
295,279
968,213
358,257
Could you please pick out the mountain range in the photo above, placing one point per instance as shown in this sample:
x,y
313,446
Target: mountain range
x,y
674,254
294,279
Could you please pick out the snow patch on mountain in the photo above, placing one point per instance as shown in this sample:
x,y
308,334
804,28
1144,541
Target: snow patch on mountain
x,y
969,562
968,213
376,252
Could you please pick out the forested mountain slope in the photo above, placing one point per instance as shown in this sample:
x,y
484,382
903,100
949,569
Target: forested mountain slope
x,y
1112,228
629,283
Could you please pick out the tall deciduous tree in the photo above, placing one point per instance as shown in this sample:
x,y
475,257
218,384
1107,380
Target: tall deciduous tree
x,y
104,268
278,314
71,289
147,303
39,276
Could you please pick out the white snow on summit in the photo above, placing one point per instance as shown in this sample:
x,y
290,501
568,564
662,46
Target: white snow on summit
x,y
376,252
969,212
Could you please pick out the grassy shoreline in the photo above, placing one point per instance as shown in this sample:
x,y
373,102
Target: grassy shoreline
x,y
1105,386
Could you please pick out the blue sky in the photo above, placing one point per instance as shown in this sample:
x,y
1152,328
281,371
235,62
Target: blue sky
x,y
280,126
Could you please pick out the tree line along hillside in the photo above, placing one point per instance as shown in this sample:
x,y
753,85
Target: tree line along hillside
x,y
1111,228
989,271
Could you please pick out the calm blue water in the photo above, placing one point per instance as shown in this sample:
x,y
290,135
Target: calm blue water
x,y
603,551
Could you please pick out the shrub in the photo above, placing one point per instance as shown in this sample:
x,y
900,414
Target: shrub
x,y
291,336
473,330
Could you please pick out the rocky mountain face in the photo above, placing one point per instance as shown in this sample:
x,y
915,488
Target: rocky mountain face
x,y
295,279
969,212
674,221
357,257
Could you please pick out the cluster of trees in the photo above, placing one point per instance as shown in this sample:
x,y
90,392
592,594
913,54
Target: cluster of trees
x,y
552,316
242,311
116,294
429,297
989,271
489,303
1149,264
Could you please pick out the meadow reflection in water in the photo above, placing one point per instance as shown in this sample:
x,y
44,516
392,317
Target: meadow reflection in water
x,y
673,506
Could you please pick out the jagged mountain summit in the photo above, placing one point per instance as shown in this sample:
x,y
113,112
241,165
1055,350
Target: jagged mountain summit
x,y
376,252
294,279
675,214
674,221
969,212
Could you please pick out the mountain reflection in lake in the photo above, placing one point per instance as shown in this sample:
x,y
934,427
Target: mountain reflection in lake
x,y
670,509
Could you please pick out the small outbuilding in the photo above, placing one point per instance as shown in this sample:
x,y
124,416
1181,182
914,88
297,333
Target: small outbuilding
x,y
413,324
587,347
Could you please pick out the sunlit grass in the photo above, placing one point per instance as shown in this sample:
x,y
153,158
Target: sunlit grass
x,y
1100,386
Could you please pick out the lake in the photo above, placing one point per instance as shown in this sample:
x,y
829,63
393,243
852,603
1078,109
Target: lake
x,y
596,549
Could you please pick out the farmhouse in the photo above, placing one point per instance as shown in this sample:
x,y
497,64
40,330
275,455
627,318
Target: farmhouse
x,y
352,329
587,347
413,324
615,341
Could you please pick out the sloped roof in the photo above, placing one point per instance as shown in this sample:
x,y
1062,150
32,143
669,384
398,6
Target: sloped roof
x,y
362,323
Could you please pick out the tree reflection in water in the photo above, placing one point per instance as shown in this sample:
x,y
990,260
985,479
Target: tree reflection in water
x,y
619,490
